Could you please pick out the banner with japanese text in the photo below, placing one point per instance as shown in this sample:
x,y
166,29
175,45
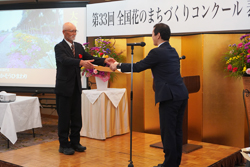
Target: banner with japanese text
x,y
137,17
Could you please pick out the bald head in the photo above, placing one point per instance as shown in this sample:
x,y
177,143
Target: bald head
x,y
69,31
68,26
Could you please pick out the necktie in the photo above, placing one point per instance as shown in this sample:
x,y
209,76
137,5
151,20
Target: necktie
x,y
73,49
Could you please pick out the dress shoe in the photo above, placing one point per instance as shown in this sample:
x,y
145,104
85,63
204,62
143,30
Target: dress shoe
x,y
66,150
78,147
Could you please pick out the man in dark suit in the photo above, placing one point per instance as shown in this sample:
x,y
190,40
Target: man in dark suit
x,y
170,91
70,57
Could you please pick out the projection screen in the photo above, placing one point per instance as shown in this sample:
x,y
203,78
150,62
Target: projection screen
x,y
28,34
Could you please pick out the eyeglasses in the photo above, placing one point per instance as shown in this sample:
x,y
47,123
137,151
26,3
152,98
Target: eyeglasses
x,y
75,31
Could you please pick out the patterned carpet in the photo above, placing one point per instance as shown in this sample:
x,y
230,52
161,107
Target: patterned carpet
x,y
25,139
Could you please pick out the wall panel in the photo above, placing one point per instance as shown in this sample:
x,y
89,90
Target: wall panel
x,y
192,48
223,109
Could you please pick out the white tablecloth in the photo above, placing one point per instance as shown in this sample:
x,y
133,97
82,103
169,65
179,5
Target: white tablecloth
x,y
20,115
104,113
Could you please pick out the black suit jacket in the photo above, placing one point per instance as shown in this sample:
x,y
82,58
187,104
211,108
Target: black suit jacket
x,y
68,69
164,63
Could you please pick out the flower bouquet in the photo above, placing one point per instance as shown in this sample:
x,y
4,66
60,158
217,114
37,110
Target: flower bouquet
x,y
237,59
102,48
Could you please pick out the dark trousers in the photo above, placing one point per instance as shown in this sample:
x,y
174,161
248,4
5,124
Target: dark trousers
x,y
171,118
247,164
69,118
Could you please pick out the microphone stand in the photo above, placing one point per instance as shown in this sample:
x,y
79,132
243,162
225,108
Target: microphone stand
x,y
131,107
142,44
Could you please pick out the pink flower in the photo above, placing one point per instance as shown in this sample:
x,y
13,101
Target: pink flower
x,y
248,50
239,45
229,67
248,71
95,71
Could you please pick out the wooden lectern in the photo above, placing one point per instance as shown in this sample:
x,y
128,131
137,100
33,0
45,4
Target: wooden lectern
x,y
193,85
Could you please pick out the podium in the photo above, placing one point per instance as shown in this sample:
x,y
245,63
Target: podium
x,y
193,85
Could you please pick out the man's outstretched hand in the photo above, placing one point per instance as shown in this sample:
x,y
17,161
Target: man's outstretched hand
x,y
87,64
109,61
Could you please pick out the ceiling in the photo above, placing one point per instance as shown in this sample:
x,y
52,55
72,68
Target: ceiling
x,y
30,1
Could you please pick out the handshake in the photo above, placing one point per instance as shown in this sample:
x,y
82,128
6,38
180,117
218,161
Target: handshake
x,y
110,61
113,66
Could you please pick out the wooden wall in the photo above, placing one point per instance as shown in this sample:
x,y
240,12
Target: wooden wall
x,y
216,112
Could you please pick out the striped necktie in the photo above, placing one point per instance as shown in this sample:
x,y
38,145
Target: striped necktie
x,y
73,49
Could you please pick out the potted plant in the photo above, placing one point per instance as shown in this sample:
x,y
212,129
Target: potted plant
x,y
102,48
237,64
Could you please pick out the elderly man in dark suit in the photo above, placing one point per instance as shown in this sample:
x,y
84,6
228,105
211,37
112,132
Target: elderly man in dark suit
x,y
170,91
70,57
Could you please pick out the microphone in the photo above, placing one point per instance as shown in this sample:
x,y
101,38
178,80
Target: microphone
x,y
182,57
136,44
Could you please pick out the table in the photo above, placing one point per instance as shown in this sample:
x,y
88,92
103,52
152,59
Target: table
x,y
20,115
104,113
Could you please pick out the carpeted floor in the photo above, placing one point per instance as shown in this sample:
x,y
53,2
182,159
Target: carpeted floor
x,y
25,139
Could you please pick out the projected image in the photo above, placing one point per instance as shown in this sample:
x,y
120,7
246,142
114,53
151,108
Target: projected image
x,y
28,37
27,41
